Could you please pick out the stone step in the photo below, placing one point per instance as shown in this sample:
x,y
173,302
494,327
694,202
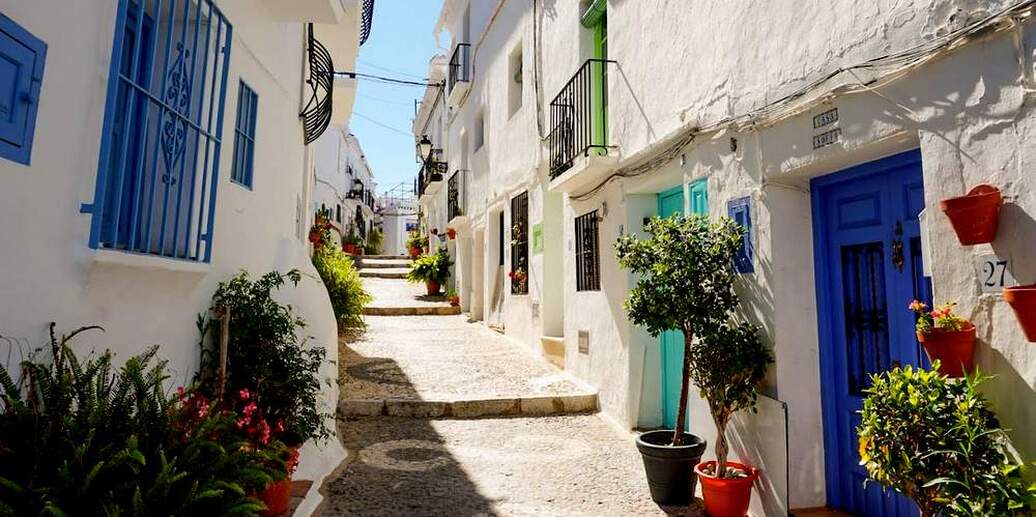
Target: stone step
x,y
386,257
425,310
505,406
384,264
384,273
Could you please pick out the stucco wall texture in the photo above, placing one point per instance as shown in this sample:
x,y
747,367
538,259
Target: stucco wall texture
x,y
681,64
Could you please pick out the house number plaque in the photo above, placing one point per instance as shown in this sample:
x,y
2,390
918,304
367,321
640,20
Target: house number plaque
x,y
993,273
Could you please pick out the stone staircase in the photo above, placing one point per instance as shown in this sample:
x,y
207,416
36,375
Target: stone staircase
x,y
385,277
383,266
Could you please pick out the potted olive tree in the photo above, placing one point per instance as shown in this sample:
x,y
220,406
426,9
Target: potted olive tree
x,y
685,278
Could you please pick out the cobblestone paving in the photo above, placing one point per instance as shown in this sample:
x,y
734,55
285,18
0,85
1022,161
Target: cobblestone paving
x,y
443,358
556,466
392,292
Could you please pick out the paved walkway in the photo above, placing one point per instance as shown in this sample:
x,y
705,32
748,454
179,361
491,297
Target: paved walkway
x,y
411,387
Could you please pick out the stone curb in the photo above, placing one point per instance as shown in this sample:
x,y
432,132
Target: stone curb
x,y
430,310
514,406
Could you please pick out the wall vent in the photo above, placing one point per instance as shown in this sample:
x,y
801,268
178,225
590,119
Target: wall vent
x,y
584,342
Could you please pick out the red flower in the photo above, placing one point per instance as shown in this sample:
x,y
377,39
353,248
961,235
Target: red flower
x,y
243,394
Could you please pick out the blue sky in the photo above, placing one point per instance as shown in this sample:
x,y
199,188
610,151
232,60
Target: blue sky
x,y
400,45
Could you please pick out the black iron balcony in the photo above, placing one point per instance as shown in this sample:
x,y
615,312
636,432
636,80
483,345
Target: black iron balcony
x,y
316,115
578,117
460,66
456,195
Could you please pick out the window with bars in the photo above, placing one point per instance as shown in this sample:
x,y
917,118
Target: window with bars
x,y
161,140
588,259
244,136
520,244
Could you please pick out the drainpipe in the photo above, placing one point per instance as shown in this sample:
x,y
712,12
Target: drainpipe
x,y
594,13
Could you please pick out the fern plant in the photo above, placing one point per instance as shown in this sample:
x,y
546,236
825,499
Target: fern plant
x,y
434,268
80,436
342,280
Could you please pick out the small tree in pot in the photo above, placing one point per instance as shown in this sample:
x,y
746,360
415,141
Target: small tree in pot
x,y
685,282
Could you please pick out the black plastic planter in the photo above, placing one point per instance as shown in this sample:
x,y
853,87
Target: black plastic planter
x,y
670,470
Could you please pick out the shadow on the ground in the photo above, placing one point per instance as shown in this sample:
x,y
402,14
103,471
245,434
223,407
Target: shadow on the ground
x,y
394,470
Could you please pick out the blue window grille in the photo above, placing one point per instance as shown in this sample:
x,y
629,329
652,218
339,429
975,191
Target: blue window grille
x,y
244,136
740,210
160,152
22,57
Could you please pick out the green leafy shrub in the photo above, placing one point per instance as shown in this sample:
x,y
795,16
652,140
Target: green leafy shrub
x,y
342,280
685,281
415,241
265,356
937,441
431,268
375,239
80,436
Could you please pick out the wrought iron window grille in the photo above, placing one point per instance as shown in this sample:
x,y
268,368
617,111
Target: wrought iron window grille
x,y
316,115
588,258
520,244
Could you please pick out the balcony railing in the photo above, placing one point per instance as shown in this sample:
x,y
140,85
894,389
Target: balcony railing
x,y
460,66
578,117
431,171
316,115
456,195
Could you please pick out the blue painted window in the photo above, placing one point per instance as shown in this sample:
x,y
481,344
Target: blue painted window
x,y
740,210
698,192
162,135
22,56
244,136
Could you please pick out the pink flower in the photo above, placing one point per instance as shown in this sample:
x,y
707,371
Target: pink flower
x,y
917,306
249,409
280,426
203,409
264,432
242,422
243,394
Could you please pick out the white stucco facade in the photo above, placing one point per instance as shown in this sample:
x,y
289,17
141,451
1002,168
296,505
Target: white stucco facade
x,y
712,77
49,270
344,183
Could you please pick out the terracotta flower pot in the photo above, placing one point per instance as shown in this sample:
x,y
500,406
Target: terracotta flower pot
x,y
276,497
975,216
414,253
455,301
314,237
349,248
726,497
955,349
1023,301
432,286
451,233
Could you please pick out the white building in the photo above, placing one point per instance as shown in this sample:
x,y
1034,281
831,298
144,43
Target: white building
x,y
398,211
345,184
826,129
148,154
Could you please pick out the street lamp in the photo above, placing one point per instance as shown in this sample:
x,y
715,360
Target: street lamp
x,y
424,148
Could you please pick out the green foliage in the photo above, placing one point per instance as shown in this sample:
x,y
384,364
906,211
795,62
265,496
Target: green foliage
x,y
431,267
685,274
342,280
937,441
266,356
414,240
80,436
941,318
375,239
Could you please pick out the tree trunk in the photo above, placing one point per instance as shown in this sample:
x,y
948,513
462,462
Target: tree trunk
x,y
721,443
685,386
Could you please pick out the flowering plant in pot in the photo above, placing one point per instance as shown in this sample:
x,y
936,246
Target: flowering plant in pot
x,y
352,244
519,278
433,270
453,297
685,276
938,442
727,364
1023,301
320,232
946,337
974,216
414,245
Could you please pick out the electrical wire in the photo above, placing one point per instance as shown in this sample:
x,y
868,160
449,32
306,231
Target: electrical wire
x,y
895,65
387,80
376,122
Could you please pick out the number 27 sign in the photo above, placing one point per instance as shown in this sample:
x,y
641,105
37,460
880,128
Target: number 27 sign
x,y
994,273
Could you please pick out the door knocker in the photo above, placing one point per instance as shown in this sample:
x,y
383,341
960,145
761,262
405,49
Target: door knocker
x,y
897,247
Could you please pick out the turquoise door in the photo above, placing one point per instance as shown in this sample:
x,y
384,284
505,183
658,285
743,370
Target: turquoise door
x,y
671,202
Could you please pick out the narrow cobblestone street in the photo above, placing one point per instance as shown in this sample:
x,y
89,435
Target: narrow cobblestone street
x,y
442,416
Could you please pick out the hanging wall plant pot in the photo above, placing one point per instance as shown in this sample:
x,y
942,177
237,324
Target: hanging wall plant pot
x,y
975,216
451,233
669,469
955,350
432,286
726,497
1023,301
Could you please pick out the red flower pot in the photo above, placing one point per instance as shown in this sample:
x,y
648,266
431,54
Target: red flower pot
x,y
455,301
955,349
432,286
276,497
451,233
314,237
726,497
1023,301
349,248
975,216
414,253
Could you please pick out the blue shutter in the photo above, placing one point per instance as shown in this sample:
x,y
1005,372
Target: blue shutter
x,y
22,56
699,196
740,210
244,136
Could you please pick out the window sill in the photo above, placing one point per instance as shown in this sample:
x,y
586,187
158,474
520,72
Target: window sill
x,y
242,184
125,259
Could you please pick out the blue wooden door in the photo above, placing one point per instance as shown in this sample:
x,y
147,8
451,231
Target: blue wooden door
x,y
672,343
868,257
